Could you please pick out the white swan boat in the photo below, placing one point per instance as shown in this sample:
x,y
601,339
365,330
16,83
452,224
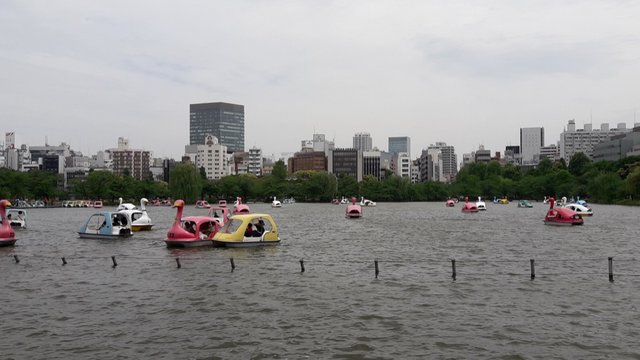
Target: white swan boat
x,y
276,203
139,219
480,204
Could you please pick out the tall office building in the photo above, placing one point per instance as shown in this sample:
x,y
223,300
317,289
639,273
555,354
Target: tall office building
x,y
400,144
347,162
531,141
362,141
439,163
222,120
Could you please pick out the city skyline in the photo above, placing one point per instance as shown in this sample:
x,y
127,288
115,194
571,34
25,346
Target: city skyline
x,y
466,73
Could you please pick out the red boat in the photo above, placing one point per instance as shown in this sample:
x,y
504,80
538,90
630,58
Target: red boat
x,y
354,210
7,235
240,208
191,231
561,216
469,207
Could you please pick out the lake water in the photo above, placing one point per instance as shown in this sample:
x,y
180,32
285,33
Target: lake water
x,y
267,309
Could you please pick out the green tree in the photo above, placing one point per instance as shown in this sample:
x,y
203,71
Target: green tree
x,y
578,164
185,183
279,170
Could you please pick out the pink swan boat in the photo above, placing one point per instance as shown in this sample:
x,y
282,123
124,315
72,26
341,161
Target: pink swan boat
x,y
7,235
191,231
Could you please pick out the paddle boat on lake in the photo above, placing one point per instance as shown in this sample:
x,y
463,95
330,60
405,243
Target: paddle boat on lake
x,y
202,204
354,210
239,207
450,203
17,218
275,203
7,235
366,202
248,230
480,204
469,207
561,216
222,203
106,225
97,204
579,209
124,206
219,214
190,231
524,204
139,219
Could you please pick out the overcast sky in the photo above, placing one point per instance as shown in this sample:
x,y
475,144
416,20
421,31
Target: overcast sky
x,y
462,72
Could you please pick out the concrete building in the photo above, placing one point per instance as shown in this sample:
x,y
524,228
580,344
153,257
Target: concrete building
x,y
255,161
307,160
531,141
551,152
618,147
482,155
345,162
134,162
223,120
574,140
401,164
415,171
512,155
212,156
468,158
371,164
362,141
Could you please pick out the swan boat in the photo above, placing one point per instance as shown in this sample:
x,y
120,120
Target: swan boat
x,y
276,203
202,204
7,234
469,207
239,207
480,204
17,218
561,216
139,218
524,204
579,209
354,210
124,206
366,202
190,231
106,225
234,233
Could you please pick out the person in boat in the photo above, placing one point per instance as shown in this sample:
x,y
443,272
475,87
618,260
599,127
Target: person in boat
x,y
259,228
249,231
190,226
205,231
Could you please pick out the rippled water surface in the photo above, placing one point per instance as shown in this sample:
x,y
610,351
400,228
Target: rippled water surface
x,y
266,308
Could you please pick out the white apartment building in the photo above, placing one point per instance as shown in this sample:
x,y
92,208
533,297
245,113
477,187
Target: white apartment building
x,y
551,152
531,141
212,156
574,140
255,162
402,164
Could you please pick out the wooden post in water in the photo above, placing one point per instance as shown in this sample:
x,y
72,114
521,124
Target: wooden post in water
x,y
301,265
64,262
178,262
375,262
533,269
15,257
233,265
113,258
610,269
453,269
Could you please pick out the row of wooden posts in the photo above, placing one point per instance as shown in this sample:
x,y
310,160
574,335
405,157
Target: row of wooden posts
x,y
375,262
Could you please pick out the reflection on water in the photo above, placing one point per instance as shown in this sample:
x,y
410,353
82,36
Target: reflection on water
x,y
266,308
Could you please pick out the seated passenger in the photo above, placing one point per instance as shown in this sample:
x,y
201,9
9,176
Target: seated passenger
x,y
259,228
249,231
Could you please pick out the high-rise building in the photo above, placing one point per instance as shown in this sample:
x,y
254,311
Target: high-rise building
x,y
222,120
400,144
212,156
255,161
362,141
307,160
531,141
371,164
134,162
583,140
439,164
347,162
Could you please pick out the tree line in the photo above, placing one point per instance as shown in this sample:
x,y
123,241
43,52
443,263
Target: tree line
x,y
602,182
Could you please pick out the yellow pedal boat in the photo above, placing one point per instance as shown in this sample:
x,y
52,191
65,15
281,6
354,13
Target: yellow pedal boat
x,y
248,230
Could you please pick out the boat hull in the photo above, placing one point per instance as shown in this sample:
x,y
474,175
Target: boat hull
x,y
141,227
103,236
7,242
187,243
557,223
238,244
